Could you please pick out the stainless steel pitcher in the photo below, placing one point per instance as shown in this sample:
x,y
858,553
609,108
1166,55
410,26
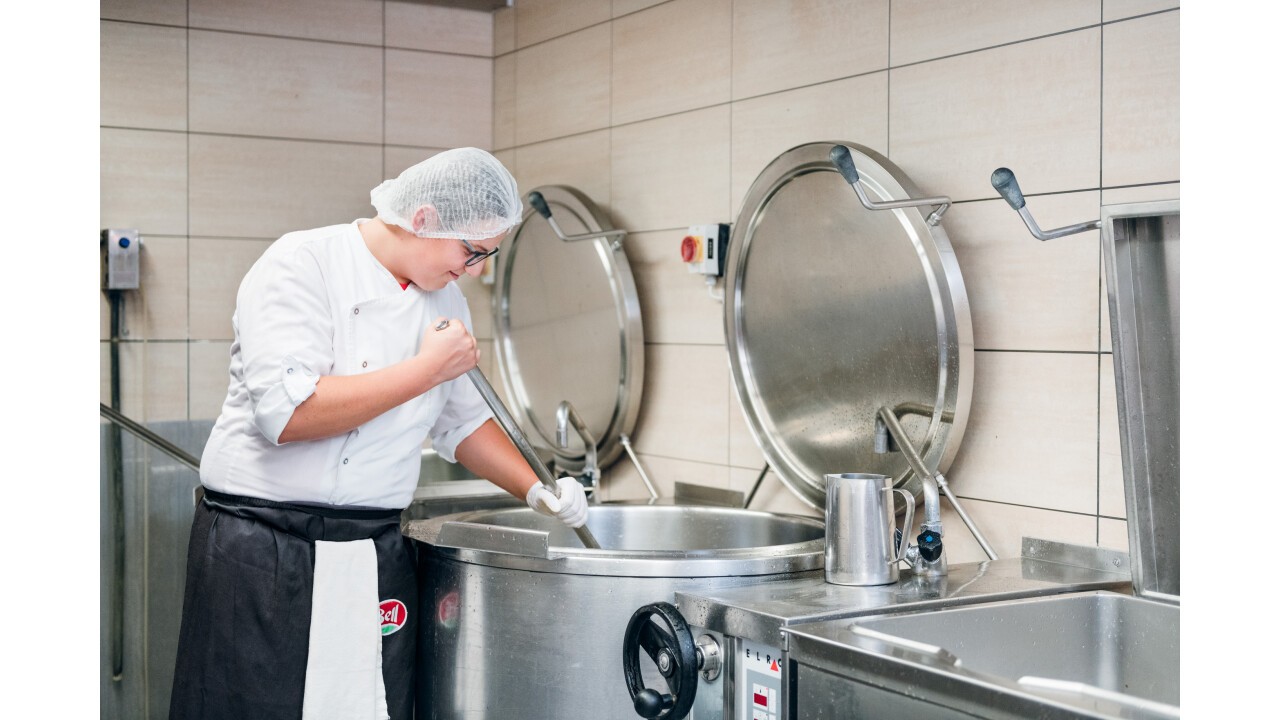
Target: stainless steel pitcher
x,y
860,546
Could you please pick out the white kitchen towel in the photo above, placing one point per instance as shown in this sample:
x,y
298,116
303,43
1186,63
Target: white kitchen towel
x,y
344,661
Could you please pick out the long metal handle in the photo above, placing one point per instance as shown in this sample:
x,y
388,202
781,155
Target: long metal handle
x,y
941,654
1071,687
648,484
964,517
843,160
521,442
149,437
1005,183
539,203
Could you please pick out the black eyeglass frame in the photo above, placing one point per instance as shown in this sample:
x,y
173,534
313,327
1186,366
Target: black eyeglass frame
x,y
477,256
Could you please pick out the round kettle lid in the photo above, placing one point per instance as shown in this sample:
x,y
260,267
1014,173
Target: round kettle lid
x,y
833,311
566,324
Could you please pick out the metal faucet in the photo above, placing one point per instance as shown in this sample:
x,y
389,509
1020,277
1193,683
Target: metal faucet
x,y
927,557
567,415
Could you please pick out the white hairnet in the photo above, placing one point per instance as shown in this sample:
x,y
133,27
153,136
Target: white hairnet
x,y
474,196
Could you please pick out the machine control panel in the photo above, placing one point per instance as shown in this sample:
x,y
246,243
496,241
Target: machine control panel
x,y
758,682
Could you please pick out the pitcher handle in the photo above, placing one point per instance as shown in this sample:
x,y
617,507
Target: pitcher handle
x,y
906,524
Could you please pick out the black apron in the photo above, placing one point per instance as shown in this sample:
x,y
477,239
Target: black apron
x,y
246,611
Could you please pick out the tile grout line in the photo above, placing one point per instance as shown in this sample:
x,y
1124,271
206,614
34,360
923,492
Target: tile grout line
x,y
187,133
888,88
1102,96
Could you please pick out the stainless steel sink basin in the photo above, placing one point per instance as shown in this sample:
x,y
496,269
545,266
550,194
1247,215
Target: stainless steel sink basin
x,y
1097,655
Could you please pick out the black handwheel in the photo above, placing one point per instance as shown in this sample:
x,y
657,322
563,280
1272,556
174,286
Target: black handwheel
x,y
674,654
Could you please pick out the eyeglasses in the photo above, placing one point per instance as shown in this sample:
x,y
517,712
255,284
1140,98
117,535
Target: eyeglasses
x,y
477,256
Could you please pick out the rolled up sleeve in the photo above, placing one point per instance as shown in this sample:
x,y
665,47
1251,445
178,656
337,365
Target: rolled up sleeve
x,y
272,412
285,331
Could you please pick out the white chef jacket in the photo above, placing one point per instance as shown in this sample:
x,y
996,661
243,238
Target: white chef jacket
x,y
319,303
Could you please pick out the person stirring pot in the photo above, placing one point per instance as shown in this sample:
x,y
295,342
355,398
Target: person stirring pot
x,y
350,346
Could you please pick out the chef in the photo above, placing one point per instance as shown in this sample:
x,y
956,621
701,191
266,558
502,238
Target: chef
x,y
350,346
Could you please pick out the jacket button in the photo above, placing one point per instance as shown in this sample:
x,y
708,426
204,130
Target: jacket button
x,y
357,311
364,364
345,460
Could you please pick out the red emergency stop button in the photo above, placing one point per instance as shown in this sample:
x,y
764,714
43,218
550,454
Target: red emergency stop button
x,y
688,248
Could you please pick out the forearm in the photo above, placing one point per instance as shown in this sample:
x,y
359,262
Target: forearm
x,y
342,403
489,453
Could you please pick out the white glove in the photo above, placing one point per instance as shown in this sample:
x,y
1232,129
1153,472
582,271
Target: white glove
x,y
570,508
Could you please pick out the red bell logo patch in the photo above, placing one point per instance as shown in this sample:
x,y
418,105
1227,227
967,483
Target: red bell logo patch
x,y
393,614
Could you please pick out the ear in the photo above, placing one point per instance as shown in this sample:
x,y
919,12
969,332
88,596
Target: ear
x,y
425,219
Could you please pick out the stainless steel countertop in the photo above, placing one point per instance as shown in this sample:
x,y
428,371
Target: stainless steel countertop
x,y
759,612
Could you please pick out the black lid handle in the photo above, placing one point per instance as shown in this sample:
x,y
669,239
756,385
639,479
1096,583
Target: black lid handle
x,y
1007,185
539,204
843,161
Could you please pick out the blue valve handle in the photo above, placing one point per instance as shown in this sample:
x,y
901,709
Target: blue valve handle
x,y
1006,184
843,161
539,204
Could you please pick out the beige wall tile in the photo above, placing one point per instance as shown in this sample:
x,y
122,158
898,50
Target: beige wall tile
x,y
164,12
684,39
562,86
1117,9
436,100
853,110
143,179
396,159
626,7
508,160
243,84
778,46
480,302
538,20
685,404
655,185
315,19
1025,294
504,101
1113,534
217,267
210,377
1032,437
158,309
1110,461
442,29
1141,193
143,76
744,451
923,30
1052,143
153,380
675,305
1140,124
772,496
622,482
579,161
1004,526
504,30
249,187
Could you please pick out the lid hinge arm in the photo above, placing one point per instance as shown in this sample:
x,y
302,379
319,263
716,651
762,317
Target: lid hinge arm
x,y
843,160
